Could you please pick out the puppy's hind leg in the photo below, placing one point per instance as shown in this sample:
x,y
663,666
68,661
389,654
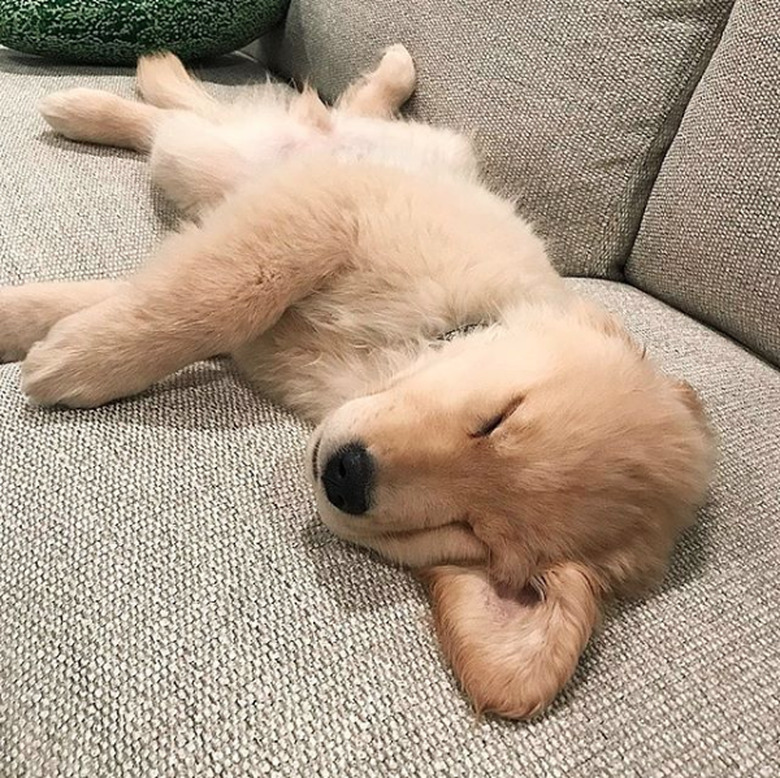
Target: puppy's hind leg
x,y
163,81
382,92
190,159
194,164
94,116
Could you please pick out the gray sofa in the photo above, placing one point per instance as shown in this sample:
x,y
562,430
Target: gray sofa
x,y
170,604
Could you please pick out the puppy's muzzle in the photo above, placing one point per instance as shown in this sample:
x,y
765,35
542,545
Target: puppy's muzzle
x,y
348,479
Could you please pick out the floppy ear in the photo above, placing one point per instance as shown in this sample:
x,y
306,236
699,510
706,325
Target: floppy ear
x,y
513,651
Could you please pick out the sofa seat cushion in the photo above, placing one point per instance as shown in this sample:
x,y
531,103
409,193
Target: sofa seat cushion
x,y
170,603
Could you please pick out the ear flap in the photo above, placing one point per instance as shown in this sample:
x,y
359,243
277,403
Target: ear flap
x,y
513,651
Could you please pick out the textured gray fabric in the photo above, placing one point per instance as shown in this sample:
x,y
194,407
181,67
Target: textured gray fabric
x,y
710,240
171,606
573,103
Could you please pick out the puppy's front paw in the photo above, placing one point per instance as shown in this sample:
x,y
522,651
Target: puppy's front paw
x,y
61,371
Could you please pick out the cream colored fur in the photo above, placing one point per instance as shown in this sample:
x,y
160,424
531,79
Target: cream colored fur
x,y
528,470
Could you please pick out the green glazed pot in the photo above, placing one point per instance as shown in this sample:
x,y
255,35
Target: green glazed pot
x,y
114,32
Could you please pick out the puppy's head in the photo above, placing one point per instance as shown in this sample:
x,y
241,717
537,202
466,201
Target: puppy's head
x,y
526,471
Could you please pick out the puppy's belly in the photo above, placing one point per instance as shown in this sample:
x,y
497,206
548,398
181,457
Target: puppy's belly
x,y
411,147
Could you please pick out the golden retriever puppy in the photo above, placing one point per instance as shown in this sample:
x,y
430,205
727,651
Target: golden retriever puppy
x,y
528,467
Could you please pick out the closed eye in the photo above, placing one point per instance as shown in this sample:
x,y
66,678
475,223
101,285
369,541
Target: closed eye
x,y
492,424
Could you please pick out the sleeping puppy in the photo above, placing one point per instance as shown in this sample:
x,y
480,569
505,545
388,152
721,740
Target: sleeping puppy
x,y
527,467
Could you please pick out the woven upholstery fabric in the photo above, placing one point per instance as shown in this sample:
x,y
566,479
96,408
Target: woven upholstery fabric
x,y
573,102
170,604
710,241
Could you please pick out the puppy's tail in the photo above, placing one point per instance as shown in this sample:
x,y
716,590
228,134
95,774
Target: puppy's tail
x,y
163,81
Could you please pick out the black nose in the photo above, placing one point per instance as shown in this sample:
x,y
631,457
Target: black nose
x,y
348,478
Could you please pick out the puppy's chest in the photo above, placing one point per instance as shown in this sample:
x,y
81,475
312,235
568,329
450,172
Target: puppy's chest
x,y
365,316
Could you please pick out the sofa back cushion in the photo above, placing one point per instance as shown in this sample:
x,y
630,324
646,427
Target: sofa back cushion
x,y
710,240
573,102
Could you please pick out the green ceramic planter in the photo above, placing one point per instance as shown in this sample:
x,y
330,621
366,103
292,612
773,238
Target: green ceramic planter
x,y
113,32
